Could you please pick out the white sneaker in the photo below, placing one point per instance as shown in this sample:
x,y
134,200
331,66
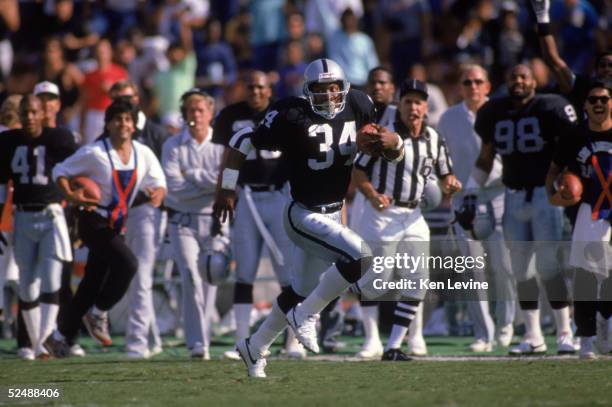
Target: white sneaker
x,y
156,350
417,346
305,328
504,335
527,347
25,353
255,364
370,350
481,346
586,348
565,344
231,354
602,340
77,350
295,350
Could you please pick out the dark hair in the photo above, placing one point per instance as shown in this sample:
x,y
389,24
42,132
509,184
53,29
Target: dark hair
x,y
602,56
597,85
381,69
120,106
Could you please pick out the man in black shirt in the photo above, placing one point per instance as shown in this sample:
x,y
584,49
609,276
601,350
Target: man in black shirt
x,y
262,197
317,136
27,157
524,129
589,155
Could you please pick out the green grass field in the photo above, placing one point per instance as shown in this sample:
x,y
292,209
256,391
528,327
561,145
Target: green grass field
x,y
107,378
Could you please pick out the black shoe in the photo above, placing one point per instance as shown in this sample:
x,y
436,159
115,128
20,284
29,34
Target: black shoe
x,y
56,348
396,355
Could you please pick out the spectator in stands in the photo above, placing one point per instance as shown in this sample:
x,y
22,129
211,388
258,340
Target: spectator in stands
x,y
170,84
216,62
291,74
94,91
353,50
65,75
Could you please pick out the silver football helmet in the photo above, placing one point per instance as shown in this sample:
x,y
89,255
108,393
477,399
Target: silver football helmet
x,y
325,71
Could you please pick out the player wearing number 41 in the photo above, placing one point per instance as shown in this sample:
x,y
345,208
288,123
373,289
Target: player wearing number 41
x,y
120,167
524,129
589,155
41,236
394,191
318,137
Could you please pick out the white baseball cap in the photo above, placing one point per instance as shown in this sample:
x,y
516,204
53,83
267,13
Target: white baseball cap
x,y
46,87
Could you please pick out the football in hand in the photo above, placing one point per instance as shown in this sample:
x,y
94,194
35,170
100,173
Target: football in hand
x,y
92,190
573,185
368,140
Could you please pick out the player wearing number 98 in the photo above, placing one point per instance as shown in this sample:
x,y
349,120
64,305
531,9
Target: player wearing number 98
x,y
317,136
27,157
524,129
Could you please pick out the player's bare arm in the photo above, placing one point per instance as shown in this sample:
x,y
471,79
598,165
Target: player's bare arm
x,y
378,201
75,196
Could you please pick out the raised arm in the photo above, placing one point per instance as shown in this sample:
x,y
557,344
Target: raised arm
x,y
564,75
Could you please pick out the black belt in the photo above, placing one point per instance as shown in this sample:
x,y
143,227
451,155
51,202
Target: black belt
x,y
265,188
329,208
32,207
407,204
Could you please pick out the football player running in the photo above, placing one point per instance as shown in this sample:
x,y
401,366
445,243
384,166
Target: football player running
x,y
317,135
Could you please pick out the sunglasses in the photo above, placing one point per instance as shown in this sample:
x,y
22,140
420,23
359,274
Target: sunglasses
x,y
469,82
594,99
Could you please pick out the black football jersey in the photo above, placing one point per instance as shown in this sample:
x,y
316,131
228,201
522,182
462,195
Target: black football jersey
x,y
262,167
28,161
525,138
319,152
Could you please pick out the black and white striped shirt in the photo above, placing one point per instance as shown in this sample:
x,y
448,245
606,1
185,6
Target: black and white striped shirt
x,y
404,181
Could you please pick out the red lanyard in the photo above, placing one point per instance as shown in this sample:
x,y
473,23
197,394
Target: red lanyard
x,y
605,186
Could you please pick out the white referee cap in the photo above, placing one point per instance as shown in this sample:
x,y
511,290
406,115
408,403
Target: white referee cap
x,y
46,88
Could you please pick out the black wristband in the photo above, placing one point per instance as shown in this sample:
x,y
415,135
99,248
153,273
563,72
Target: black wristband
x,y
543,29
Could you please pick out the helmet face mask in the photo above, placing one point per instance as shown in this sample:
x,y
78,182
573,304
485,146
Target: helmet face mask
x,y
325,99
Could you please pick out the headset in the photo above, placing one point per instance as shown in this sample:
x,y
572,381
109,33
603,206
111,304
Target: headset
x,y
185,96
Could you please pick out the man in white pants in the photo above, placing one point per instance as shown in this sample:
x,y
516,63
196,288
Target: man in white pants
x,y
192,164
456,125
394,192
146,226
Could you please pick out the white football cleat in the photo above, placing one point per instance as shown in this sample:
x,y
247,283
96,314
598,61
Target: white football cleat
x,y
417,346
76,350
305,328
602,340
231,354
481,346
527,347
371,350
255,364
295,350
504,335
565,344
587,352
25,353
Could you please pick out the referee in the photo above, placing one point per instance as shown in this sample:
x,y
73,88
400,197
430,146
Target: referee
x,y
394,191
